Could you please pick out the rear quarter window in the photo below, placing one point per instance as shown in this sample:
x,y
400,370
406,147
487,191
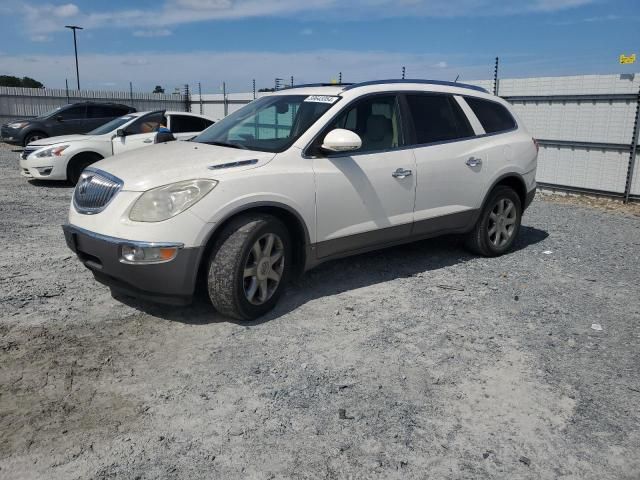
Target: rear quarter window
x,y
493,117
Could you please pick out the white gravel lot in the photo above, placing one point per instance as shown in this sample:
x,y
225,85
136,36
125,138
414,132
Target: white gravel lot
x,y
420,361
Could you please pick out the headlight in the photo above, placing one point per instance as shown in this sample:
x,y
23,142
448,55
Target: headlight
x,y
168,201
52,152
17,124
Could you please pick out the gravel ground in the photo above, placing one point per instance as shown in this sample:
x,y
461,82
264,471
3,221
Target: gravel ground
x,y
419,361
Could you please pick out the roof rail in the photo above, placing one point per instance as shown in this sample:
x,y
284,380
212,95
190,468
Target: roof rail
x,y
426,82
315,85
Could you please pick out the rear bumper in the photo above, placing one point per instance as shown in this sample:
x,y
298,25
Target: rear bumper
x,y
529,198
171,282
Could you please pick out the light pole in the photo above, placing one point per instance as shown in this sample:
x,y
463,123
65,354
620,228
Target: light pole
x,y
75,47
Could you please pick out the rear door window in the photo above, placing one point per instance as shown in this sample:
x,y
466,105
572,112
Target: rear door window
x,y
188,123
493,117
437,118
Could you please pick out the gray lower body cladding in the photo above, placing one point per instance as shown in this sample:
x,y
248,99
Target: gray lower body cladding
x,y
170,282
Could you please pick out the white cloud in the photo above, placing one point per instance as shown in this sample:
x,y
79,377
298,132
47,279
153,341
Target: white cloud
x,y
68,10
40,38
306,31
160,32
441,64
236,68
43,18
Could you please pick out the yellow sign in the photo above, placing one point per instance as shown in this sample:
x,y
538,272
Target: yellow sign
x,y
628,59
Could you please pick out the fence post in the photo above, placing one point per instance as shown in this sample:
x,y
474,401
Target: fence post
x,y
495,77
632,152
224,99
187,98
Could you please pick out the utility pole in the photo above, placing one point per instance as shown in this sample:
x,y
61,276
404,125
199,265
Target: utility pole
x,y
403,72
495,77
200,97
339,78
278,84
254,88
75,48
291,81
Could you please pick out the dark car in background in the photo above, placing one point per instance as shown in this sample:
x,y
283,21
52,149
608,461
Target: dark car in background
x,y
67,119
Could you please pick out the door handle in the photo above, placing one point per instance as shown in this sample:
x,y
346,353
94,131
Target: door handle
x,y
474,162
401,173
148,140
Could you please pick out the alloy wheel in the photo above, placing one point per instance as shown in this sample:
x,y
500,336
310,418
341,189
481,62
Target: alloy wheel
x,y
502,222
263,269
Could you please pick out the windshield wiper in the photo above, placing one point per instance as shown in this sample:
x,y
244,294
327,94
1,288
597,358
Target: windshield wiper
x,y
225,144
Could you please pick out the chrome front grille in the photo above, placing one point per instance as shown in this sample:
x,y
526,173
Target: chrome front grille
x,y
28,151
94,191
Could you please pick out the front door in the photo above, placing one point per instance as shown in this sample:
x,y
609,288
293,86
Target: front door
x,y
365,198
140,133
69,121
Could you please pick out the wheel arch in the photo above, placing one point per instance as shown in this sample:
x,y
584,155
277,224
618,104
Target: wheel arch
x,y
512,180
288,215
82,153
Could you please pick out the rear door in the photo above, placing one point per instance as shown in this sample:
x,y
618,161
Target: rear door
x,y
140,133
451,162
365,198
185,126
70,120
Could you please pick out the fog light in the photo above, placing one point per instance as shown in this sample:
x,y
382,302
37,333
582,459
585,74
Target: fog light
x,y
44,170
137,254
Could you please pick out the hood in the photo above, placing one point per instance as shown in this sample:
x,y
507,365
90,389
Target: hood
x,y
43,142
170,162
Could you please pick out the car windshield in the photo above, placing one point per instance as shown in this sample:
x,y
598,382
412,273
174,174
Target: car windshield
x,y
111,126
271,124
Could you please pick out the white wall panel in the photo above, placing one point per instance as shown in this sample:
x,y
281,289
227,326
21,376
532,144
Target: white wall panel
x,y
583,168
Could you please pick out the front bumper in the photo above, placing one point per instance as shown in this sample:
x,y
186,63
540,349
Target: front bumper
x,y
529,198
11,135
171,282
46,168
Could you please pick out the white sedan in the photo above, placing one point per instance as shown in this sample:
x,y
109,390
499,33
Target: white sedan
x,y
65,157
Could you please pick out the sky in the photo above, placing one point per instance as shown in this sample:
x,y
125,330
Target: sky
x,y
177,42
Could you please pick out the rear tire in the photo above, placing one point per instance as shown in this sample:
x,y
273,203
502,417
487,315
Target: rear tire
x,y
78,163
498,224
249,266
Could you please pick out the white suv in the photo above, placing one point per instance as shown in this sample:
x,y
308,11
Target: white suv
x,y
299,177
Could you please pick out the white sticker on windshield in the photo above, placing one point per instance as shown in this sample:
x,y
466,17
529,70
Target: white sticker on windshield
x,y
321,99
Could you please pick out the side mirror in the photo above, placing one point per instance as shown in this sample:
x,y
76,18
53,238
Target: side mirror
x,y
340,140
121,133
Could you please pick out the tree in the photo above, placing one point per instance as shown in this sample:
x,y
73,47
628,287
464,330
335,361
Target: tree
x,y
158,89
31,83
11,81
267,90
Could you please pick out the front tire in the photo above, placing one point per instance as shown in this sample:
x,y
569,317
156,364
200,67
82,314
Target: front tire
x,y
32,137
249,266
498,224
78,163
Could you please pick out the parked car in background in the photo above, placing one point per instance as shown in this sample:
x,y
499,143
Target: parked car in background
x,y
299,177
64,157
67,119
